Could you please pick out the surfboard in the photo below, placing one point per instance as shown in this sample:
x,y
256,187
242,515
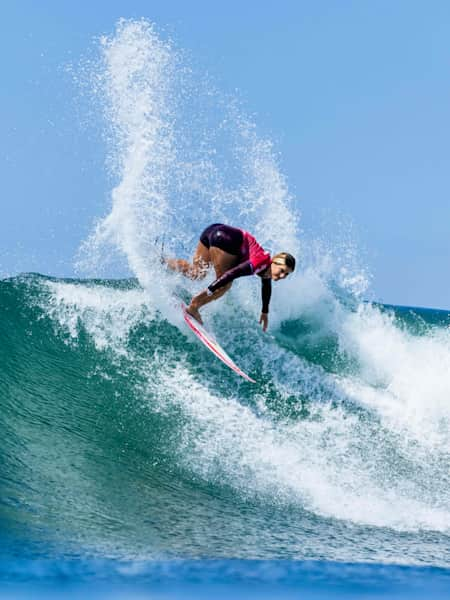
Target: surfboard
x,y
212,344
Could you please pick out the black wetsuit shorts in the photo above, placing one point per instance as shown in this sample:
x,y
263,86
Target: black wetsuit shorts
x,y
229,239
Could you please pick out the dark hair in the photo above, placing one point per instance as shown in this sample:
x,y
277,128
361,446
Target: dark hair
x,y
290,261
287,259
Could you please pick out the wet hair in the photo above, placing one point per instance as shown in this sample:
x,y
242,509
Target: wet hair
x,y
284,258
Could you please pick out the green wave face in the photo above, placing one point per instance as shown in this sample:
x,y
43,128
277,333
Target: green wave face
x,y
122,435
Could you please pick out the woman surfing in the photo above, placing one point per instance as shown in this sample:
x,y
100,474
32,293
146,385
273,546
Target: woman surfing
x,y
233,253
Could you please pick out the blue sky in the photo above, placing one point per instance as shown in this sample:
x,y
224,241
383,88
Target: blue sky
x,y
355,95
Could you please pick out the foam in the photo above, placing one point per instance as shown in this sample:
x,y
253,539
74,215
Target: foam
x,y
108,315
317,463
173,180
404,378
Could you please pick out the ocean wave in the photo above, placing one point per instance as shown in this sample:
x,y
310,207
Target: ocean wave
x,y
121,431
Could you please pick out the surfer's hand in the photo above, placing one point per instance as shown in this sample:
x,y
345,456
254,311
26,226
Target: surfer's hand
x,y
264,320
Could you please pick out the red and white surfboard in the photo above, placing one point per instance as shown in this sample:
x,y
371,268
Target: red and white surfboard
x,y
212,344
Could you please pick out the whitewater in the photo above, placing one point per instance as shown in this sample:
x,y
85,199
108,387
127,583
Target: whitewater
x,y
125,439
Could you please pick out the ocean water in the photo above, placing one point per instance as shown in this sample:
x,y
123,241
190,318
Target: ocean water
x,y
134,463
126,445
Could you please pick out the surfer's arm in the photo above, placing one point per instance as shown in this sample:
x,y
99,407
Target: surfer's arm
x,y
242,270
266,292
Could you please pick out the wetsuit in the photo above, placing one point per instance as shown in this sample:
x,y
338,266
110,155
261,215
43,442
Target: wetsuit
x,y
253,259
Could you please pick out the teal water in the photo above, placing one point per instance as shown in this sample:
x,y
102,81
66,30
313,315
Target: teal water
x,y
124,437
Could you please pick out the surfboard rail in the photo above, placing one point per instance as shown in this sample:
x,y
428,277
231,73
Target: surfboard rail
x,y
212,344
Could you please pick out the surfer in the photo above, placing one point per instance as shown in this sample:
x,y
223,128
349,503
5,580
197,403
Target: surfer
x,y
233,253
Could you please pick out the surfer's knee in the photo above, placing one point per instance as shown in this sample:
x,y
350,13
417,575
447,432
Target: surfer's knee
x,y
199,271
200,266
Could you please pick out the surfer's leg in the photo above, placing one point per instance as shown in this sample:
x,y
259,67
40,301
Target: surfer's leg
x,y
222,261
201,261
199,267
203,298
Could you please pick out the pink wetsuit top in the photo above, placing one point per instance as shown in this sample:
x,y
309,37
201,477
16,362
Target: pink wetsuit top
x,y
252,251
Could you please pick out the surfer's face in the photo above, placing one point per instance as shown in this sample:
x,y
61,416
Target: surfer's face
x,y
279,271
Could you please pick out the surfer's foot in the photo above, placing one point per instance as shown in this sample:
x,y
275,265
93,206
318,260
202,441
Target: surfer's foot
x,y
194,313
